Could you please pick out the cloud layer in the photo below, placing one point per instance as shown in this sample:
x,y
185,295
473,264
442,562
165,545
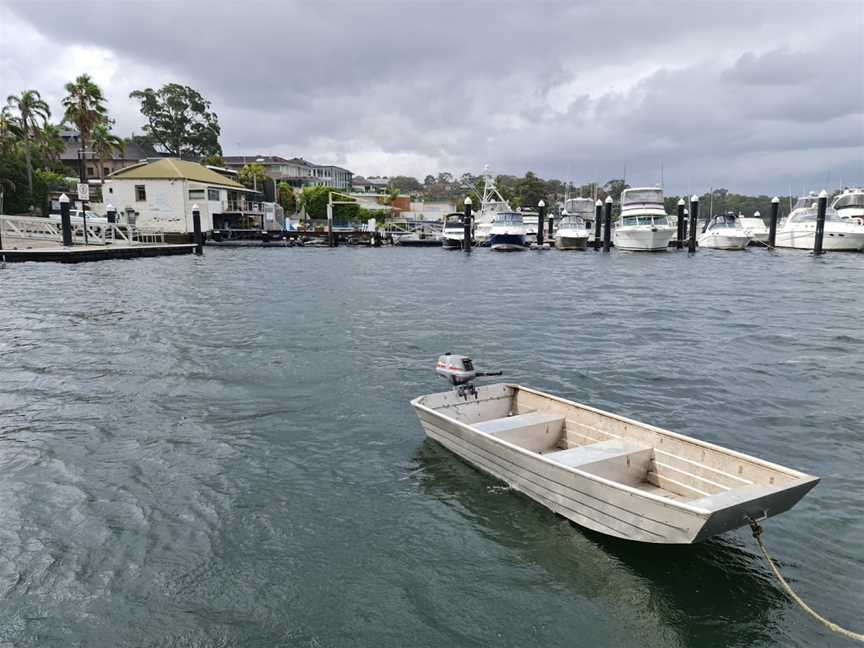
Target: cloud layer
x,y
751,96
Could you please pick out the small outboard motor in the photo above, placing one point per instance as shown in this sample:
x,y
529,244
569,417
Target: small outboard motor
x,y
459,371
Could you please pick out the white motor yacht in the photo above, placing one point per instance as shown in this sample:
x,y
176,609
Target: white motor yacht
x,y
643,225
584,209
799,229
508,232
755,226
724,232
453,233
849,205
572,233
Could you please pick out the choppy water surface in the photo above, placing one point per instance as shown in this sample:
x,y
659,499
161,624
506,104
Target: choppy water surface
x,y
220,451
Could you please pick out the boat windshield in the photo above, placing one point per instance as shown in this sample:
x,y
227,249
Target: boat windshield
x,y
806,201
572,222
810,216
642,196
510,218
849,200
580,206
726,220
629,221
454,220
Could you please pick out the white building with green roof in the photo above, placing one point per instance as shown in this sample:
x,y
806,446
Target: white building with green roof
x,y
161,194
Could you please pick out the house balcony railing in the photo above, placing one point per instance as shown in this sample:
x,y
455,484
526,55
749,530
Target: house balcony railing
x,y
241,206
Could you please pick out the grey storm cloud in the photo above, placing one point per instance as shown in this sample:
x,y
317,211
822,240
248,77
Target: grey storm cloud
x,y
753,96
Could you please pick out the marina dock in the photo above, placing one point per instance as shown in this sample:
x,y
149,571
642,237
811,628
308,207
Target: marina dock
x,y
19,250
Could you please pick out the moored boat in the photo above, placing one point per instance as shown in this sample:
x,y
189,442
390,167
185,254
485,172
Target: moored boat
x,y
798,230
724,232
756,227
605,472
508,232
453,234
572,233
643,225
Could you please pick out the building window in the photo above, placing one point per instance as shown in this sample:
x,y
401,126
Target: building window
x,y
140,193
196,194
111,190
105,170
89,171
213,194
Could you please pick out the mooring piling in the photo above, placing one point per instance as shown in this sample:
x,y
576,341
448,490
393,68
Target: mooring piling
x,y
466,225
694,215
598,222
772,224
196,229
551,228
607,225
65,220
680,242
820,222
541,221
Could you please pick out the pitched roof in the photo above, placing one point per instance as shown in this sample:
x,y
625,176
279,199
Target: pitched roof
x,y
175,169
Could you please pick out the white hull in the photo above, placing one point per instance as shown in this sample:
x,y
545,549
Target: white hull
x,y
724,241
508,247
804,239
607,473
642,239
577,242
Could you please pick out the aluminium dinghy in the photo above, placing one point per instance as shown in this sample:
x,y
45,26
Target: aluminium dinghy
x,y
605,472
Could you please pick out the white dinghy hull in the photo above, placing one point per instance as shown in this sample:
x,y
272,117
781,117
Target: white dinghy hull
x,y
608,473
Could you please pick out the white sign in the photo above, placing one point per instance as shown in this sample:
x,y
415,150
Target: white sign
x,y
83,191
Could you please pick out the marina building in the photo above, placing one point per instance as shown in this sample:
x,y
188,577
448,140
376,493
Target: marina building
x,y
159,194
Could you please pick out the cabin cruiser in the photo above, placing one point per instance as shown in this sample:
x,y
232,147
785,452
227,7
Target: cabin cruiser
x,y
572,233
453,234
611,474
643,225
584,209
724,232
508,232
491,204
531,219
755,226
798,230
849,205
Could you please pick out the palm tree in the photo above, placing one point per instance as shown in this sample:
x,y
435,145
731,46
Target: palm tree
x,y
10,130
85,107
104,144
51,145
33,114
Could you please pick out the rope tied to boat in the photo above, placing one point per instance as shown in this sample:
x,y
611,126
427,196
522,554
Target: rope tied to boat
x,y
757,534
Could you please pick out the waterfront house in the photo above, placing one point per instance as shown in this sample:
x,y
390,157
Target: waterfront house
x,y
297,172
70,157
327,175
159,194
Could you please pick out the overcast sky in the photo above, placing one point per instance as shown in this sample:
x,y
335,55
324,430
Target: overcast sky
x,y
754,96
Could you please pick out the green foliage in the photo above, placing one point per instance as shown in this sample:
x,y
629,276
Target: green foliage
x,y
286,198
314,201
405,184
213,160
45,182
252,175
179,120
720,201
84,106
614,188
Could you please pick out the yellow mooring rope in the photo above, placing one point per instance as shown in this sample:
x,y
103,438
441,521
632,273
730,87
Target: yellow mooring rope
x,y
757,533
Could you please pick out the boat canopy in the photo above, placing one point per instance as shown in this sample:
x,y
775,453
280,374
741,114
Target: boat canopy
x,y
647,196
454,218
509,218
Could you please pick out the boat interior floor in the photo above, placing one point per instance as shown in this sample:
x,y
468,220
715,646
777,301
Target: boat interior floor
x,y
623,460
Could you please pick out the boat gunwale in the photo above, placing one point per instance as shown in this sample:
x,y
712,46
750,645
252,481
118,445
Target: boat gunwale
x,y
704,512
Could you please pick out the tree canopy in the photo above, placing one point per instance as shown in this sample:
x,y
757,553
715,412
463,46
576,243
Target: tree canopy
x,y
179,121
